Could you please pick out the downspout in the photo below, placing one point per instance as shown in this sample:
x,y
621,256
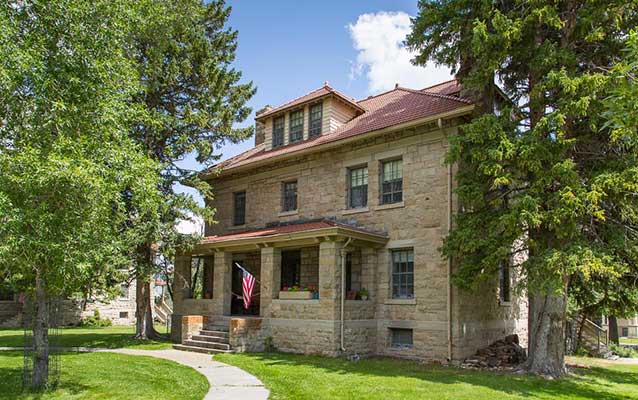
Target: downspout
x,y
449,265
343,291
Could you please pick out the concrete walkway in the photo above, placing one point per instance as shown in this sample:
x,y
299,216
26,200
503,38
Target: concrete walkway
x,y
226,382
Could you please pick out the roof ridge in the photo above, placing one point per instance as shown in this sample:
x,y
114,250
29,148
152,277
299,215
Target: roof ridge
x,y
325,86
439,84
377,95
443,96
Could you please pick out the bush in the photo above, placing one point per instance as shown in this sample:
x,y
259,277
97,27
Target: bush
x,y
625,352
96,321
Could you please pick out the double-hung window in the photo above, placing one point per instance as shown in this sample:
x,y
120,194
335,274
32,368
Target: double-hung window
x,y
402,274
296,126
358,187
278,131
239,215
392,182
289,196
314,119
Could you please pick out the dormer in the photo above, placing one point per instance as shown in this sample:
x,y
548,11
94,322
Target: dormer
x,y
317,113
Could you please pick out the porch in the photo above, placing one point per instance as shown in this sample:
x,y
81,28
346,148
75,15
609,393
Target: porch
x,y
300,271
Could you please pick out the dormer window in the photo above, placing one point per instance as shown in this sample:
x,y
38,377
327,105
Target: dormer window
x,y
296,126
314,120
278,132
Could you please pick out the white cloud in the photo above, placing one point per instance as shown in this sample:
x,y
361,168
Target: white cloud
x,y
378,39
190,226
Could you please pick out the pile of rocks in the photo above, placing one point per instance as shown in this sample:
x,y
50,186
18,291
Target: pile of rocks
x,y
502,354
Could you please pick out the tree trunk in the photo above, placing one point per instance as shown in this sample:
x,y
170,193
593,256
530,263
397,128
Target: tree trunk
x,y
40,336
547,315
613,330
144,314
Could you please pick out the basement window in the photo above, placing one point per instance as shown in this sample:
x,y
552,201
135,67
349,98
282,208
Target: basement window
x,y
123,314
401,338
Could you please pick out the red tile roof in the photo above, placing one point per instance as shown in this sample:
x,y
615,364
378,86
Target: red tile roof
x,y
394,107
451,87
282,229
325,90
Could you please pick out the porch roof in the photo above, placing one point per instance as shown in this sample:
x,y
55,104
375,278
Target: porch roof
x,y
293,234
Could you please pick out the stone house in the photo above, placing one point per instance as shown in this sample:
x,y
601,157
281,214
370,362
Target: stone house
x,y
627,327
121,310
347,202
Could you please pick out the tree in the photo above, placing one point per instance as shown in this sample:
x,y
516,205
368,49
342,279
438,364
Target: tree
x,y
548,166
69,170
192,98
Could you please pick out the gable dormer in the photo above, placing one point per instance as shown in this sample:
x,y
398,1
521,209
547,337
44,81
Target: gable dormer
x,y
314,114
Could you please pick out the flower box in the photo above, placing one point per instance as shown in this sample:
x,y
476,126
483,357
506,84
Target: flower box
x,y
296,295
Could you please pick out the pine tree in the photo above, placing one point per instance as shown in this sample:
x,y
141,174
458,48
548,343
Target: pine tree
x,y
548,167
192,98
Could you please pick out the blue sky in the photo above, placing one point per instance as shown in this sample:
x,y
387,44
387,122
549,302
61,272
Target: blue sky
x,y
288,48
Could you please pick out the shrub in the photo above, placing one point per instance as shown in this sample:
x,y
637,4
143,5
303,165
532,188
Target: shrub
x,y
95,321
625,352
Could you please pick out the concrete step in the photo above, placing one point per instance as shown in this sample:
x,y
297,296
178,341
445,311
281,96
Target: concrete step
x,y
207,332
199,349
208,345
206,338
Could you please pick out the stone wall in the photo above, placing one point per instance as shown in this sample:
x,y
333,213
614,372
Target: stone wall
x,y
419,223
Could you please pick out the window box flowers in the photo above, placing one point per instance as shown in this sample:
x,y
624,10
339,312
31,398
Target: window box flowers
x,y
298,293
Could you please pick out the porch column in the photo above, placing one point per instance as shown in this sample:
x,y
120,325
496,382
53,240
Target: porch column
x,y
330,279
222,281
181,291
182,277
270,278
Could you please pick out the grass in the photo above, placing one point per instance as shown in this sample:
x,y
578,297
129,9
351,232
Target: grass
x,y
303,377
629,340
110,337
107,376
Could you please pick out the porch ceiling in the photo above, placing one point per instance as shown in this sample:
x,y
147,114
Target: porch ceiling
x,y
291,235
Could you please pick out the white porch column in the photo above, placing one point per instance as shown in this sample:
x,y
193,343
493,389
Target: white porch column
x,y
270,278
222,281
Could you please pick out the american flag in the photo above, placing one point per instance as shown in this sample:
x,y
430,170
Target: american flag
x,y
247,285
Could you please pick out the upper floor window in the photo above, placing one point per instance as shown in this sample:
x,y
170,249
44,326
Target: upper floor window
x,y
278,132
289,196
402,274
239,214
296,126
358,187
504,282
314,120
392,182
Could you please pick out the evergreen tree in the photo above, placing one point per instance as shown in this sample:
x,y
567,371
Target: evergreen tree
x,y
192,98
549,167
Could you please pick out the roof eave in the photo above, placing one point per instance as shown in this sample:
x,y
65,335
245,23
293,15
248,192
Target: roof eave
x,y
308,150
341,97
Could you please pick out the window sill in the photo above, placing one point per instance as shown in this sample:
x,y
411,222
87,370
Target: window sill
x,y
237,227
299,301
400,301
389,206
288,213
349,211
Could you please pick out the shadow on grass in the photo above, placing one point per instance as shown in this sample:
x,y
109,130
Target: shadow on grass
x,y
11,380
589,383
69,338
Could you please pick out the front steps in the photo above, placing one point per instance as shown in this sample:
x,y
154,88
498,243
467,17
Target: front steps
x,y
211,340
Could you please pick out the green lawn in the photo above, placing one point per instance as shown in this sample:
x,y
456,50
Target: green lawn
x,y
109,337
308,377
107,376
629,340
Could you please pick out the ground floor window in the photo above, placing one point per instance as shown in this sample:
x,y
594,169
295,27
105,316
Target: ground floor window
x,y
401,338
123,314
403,274
290,268
625,332
504,282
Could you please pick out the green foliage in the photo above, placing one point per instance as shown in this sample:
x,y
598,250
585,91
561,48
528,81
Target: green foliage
x,y
95,321
69,170
623,351
554,173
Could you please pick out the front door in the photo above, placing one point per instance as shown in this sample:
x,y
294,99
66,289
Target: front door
x,y
237,301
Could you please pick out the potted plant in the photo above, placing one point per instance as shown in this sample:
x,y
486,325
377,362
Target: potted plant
x,y
295,293
363,294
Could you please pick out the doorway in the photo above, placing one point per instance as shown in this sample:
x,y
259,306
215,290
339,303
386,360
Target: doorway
x,y
237,301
